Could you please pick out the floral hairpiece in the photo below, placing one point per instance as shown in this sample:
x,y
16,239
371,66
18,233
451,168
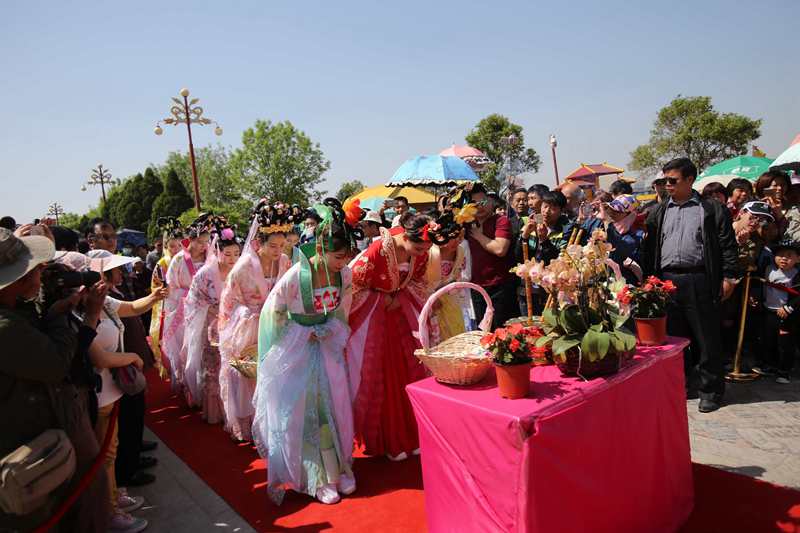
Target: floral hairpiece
x,y
466,214
276,228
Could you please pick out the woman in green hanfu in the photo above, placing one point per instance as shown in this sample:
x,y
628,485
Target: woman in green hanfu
x,y
303,424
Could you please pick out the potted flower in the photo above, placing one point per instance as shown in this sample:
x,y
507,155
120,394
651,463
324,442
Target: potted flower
x,y
512,349
584,325
649,305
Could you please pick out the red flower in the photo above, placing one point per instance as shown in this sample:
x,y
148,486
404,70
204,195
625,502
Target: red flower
x,y
654,280
669,287
501,334
513,345
648,287
515,328
624,296
487,340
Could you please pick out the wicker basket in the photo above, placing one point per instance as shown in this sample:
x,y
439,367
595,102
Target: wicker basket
x,y
247,363
460,360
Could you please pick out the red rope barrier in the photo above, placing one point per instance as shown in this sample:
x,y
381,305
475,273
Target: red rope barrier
x,y
87,477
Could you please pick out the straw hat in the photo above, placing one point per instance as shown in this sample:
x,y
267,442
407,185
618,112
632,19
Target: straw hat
x,y
20,255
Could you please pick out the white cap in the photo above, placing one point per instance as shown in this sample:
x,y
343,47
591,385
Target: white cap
x,y
103,260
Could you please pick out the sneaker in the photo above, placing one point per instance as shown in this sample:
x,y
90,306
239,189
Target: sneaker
x,y
125,523
708,405
327,494
347,484
783,380
127,503
416,452
402,456
763,370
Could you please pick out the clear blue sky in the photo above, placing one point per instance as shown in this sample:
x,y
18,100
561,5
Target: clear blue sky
x,y
373,82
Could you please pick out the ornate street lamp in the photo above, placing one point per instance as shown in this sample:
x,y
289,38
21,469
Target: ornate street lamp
x,y
188,112
102,177
55,210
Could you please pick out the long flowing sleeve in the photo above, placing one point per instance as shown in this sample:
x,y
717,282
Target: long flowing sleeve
x,y
273,316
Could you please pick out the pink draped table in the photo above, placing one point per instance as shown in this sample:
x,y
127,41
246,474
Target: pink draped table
x,y
610,454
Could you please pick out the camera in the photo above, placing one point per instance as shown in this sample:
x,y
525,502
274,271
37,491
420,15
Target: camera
x,y
67,279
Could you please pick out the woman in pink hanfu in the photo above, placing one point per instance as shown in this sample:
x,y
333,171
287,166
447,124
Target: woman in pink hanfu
x,y
389,290
259,268
182,268
201,341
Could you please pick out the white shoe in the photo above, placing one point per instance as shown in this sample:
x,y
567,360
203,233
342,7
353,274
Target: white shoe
x,y
783,380
415,452
402,456
346,485
125,523
127,503
327,494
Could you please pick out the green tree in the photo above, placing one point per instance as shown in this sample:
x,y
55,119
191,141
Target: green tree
x,y
218,184
280,162
132,207
488,136
348,189
70,220
172,201
690,127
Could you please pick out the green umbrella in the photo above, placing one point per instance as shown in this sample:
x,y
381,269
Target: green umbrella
x,y
744,166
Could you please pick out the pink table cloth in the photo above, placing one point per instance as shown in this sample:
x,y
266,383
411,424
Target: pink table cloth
x,y
610,454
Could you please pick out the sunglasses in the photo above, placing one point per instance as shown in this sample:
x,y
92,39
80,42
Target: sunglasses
x,y
671,181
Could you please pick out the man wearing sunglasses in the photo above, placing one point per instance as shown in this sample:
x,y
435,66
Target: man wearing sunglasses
x,y
690,241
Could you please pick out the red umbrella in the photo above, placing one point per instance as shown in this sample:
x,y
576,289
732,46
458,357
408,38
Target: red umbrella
x,y
472,156
588,174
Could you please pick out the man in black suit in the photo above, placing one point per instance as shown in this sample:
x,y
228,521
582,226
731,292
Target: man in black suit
x,y
690,241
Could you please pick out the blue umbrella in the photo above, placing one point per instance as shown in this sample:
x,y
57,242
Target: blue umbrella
x,y
432,170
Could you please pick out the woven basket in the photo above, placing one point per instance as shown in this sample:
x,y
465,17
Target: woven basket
x,y
460,360
247,362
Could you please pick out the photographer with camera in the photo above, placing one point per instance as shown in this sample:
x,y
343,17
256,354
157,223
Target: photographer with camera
x,y
36,413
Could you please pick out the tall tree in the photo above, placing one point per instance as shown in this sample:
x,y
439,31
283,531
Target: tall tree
x,y
172,201
690,127
348,189
133,208
218,184
70,220
489,136
280,162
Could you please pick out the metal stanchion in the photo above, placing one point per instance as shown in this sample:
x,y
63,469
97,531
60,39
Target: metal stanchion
x,y
737,374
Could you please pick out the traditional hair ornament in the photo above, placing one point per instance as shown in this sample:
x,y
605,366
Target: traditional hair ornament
x,y
275,218
443,229
346,218
204,223
465,215
170,227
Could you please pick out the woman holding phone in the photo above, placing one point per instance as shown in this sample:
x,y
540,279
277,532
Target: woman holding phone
x,y
773,187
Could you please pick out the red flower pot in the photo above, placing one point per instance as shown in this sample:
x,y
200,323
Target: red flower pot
x,y
651,331
514,381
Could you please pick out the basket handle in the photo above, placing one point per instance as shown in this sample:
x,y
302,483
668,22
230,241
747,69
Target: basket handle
x,y
485,325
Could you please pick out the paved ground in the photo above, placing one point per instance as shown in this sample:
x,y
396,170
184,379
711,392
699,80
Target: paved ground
x,y
181,502
756,433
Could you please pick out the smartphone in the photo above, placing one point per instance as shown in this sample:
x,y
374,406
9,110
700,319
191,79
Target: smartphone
x,y
586,209
771,192
161,277
538,219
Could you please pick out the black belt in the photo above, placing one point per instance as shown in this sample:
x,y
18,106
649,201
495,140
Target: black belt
x,y
684,270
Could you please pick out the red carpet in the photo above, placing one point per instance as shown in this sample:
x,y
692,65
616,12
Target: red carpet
x,y
389,496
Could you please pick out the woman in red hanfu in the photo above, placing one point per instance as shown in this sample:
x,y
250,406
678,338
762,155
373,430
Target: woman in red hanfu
x,y
389,290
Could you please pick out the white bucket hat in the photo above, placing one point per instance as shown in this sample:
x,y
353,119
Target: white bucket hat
x,y
20,255
103,260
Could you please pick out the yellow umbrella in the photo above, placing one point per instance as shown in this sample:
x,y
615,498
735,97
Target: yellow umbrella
x,y
376,195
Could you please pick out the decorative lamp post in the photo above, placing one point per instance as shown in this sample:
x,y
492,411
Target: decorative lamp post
x,y
553,144
187,112
55,210
102,177
509,141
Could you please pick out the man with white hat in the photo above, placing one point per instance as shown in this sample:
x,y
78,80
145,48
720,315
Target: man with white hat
x,y
371,226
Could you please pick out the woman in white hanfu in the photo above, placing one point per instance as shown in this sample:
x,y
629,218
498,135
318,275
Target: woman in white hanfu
x,y
258,270
182,268
201,340
304,421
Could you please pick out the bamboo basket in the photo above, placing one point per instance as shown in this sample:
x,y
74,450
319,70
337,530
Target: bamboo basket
x,y
247,362
459,360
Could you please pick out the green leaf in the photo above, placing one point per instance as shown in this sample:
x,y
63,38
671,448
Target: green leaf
x,y
544,340
562,344
571,319
549,318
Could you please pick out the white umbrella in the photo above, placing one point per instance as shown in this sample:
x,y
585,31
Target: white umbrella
x,y
789,159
